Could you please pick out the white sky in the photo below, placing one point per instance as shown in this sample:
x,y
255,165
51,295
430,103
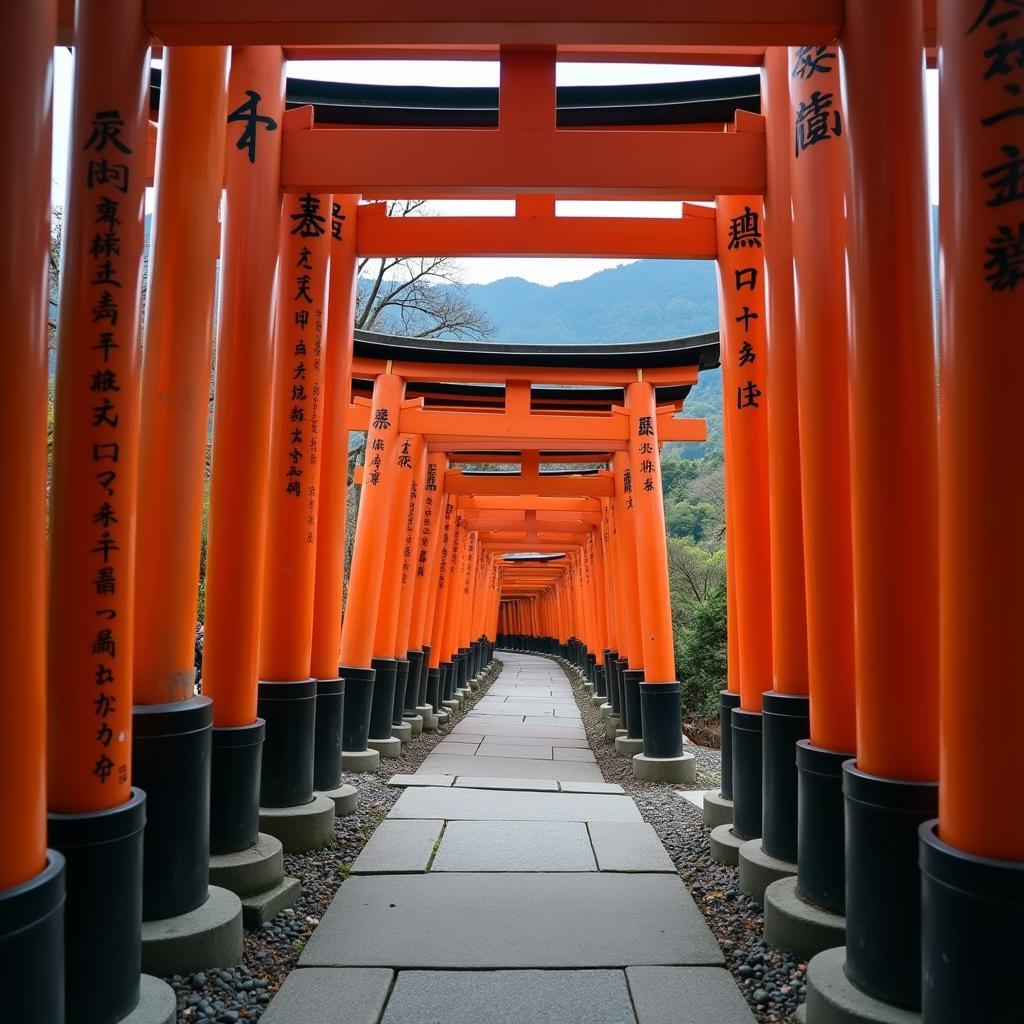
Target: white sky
x,y
485,73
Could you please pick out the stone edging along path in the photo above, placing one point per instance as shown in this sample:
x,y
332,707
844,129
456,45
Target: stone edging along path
x,y
241,993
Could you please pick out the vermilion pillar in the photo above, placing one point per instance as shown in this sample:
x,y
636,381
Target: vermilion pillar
x,y
31,879
659,693
236,529
894,492
172,740
333,490
741,241
785,707
92,512
366,574
287,693
973,857
818,161
393,529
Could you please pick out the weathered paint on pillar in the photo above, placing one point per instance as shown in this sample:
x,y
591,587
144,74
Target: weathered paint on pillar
x,y
368,553
331,517
981,139
176,350
27,36
819,254
744,385
296,435
96,410
236,535
789,614
893,457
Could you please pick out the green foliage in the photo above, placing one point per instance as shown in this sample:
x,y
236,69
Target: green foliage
x,y
701,653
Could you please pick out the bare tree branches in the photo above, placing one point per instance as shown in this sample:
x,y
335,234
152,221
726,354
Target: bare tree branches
x,y
422,297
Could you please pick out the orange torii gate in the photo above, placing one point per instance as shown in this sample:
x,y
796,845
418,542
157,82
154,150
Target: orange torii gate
x,y
106,703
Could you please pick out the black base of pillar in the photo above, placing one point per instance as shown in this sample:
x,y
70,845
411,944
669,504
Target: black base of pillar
x,y
883,883
746,773
401,685
785,720
591,668
171,755
32,948
424,669
821,829
412,685
459,661
631,707
383,705
605,686
328,725
433,696
447,687
237,754
289,709
621,668
102,953
971,913
660,716
727,700
355,725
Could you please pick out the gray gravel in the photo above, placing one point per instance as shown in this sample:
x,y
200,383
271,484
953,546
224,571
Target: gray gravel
x,y
241,993
773,983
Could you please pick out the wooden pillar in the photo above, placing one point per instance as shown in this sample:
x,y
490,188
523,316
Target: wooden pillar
x,y
236,536
93,509
894,491
741,240
31,878
286,690
973,857
331,518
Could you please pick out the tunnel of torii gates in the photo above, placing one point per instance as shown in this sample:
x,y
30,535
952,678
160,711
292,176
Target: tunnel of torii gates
x,y
872,717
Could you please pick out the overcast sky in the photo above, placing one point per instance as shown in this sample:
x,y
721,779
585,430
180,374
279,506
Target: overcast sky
x,y
484,73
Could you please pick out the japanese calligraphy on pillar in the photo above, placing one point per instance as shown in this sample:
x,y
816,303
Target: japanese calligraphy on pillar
x,y
248,114
817,114
996,30
108,181
303,281
743,305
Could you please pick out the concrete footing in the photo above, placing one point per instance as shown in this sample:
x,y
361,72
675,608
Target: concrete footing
x,y
717,810
402,733
247,872
450,705
665,769
209,936
833,999
306,827
758,870
415,723
798,927
346,799
157,1003
426,712
627,747
441,716
262,906
598,701
725,846
359,761
386,747
611,729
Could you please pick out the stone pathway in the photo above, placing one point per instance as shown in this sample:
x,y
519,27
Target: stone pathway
x,y
492,895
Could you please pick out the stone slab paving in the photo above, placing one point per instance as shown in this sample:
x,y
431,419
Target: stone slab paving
x,y
510,997
460,921
513,768
398,847
515,846
510,883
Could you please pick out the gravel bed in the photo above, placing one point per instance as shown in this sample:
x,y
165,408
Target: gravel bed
x,y
241,993
773,983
